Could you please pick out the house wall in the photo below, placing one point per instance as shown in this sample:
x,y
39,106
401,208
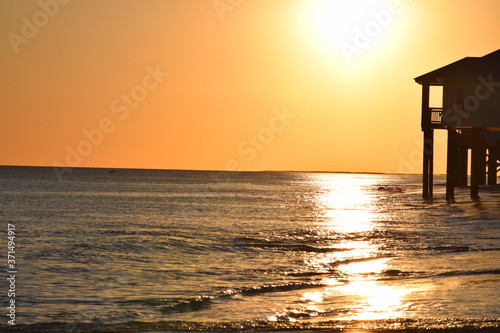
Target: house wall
x,y
471,103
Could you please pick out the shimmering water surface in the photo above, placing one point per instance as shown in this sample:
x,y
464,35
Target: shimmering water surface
x,y
152,250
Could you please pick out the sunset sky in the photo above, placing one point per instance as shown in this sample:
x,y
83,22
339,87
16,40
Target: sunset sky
x,y
322,85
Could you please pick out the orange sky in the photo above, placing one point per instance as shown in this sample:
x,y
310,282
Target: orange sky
x,y
228,84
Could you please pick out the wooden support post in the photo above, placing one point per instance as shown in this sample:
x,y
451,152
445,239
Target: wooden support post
x,y
425,178
431,163
492,165
461,166
450,162
428,162
426,111
428,145
478,165
482,156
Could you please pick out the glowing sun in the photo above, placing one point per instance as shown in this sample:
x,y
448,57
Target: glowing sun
x,y
349,26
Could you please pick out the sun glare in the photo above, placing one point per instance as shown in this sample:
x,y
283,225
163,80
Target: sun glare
x,y
336,19
349,207
347,29
376,300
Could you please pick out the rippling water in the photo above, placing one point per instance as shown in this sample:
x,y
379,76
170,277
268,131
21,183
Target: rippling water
x,y
151,250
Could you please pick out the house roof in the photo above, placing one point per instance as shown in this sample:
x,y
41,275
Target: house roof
x,y
466,68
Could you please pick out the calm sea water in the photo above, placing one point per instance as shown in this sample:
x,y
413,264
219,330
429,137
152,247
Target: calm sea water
x,y
153,251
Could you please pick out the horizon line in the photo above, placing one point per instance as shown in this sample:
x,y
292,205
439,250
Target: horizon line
x,y
216,170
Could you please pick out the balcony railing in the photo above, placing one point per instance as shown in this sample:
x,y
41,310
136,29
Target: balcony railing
x,y
436,116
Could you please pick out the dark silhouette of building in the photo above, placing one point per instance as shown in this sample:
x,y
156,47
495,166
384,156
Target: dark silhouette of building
x,y
470,112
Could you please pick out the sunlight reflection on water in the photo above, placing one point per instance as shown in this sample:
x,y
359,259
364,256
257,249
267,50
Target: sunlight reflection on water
x,y
348,207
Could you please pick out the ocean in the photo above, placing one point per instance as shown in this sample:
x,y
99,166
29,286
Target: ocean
x,y
100,250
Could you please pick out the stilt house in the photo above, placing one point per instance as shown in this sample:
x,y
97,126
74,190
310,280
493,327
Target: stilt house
x,y
470,113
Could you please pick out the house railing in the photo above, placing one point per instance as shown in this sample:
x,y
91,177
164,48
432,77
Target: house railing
x,y
436,116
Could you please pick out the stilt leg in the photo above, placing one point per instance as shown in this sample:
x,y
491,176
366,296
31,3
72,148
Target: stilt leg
x,y
450,162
